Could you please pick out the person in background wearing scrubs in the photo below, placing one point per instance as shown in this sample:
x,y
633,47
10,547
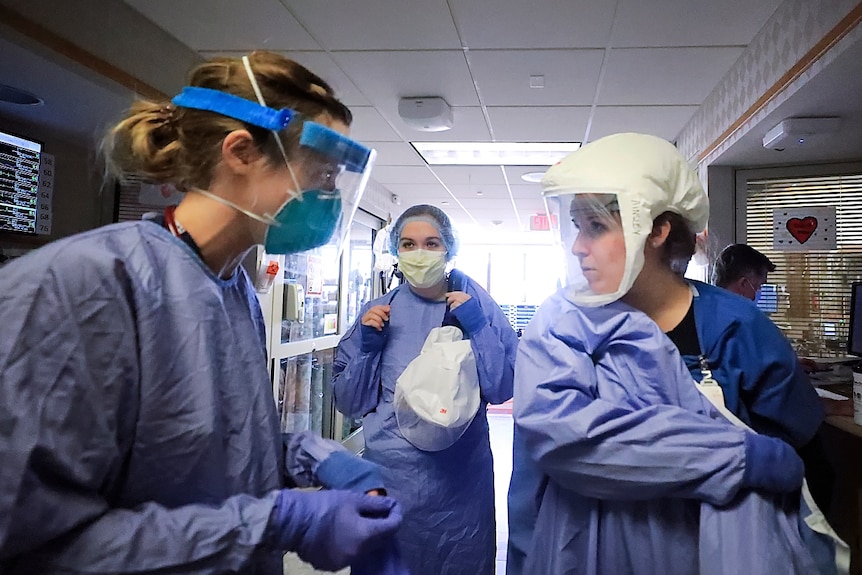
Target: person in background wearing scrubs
x,y
447,493
615,448
741,269
138,432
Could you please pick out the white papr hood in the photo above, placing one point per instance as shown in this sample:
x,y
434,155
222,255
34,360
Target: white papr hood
x,y
649,176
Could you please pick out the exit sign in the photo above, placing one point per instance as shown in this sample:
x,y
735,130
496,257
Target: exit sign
x,y
542,222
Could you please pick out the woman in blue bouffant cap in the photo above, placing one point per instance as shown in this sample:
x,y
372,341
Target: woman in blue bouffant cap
x,y
443,476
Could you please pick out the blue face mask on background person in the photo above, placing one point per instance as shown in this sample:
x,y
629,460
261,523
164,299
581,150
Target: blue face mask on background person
x,y
309,217
755,291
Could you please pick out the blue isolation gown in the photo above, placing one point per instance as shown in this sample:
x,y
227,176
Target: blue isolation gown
x,y
447,496
138,431
615,448
758,371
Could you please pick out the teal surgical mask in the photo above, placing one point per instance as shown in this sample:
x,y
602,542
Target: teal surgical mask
x,y
422,268
303,224
299,225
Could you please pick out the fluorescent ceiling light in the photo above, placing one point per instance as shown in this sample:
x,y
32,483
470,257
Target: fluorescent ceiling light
x,y
494,153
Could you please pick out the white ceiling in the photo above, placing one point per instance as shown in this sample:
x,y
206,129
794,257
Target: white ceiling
x,y
608,66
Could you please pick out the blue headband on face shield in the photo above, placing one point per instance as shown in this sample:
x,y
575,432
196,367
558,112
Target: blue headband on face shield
x,y
233,107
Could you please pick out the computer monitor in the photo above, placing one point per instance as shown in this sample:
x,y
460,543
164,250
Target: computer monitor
x,y
767,298
854,339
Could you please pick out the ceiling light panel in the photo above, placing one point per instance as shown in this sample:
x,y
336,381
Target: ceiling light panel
x,y
494,153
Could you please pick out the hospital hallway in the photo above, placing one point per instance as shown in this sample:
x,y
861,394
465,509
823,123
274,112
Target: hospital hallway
x,y
500,423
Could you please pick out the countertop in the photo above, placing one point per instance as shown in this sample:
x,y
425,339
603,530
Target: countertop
x,y
844,423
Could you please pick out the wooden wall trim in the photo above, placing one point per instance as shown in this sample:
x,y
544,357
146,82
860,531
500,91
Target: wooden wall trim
x,y
49,39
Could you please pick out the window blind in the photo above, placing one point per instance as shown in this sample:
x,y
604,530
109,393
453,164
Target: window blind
x,y
130,209
812,288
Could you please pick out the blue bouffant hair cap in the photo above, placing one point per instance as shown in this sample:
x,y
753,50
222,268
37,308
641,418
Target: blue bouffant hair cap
x,y
434,216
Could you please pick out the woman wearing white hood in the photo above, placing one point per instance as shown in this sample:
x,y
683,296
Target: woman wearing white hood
x,y
620,465
426,430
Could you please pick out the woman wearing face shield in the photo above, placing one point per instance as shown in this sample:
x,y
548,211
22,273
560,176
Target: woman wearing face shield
x,y
620,463
442,476
139,432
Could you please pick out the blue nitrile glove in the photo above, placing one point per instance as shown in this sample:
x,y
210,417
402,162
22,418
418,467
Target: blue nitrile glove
x,y
331,529
771,465
384,561
343,470
450,319
372,339
470,316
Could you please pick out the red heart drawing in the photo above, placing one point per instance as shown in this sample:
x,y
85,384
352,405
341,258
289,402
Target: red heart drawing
x,y
802,228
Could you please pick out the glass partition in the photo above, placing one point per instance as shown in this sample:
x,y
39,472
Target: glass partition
x,y
310,307
311,304
302,394
360,290
360,270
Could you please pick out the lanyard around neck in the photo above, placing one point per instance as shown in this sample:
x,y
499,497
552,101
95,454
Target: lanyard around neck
x,y
178,230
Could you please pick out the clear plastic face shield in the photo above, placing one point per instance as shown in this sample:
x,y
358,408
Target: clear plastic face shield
x,y
332,172
591,229
328,171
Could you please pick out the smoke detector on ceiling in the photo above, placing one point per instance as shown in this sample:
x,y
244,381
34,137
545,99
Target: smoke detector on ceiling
x,y
792,132
431,114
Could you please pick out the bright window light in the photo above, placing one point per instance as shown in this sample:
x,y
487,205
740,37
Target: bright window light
x,y
494,153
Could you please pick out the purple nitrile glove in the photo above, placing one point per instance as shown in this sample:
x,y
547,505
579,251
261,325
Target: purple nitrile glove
x,y
771,465
343,470
373,340
470,315
331,529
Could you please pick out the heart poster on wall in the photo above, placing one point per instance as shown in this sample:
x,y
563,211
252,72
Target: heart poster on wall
x,y
804,229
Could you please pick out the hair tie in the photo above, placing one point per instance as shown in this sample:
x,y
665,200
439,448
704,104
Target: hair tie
x,y
167,114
